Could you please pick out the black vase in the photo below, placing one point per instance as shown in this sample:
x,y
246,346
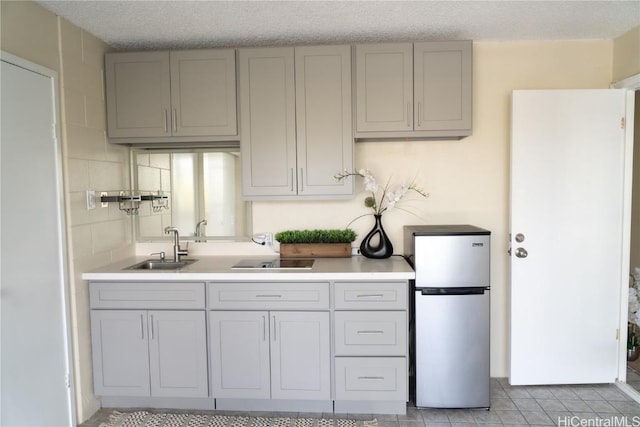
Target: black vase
x,y
382,247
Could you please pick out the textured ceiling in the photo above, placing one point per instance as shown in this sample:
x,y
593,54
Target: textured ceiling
x,y
144,24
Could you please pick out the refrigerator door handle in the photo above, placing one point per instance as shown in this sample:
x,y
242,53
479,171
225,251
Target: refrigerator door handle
x,y
453,291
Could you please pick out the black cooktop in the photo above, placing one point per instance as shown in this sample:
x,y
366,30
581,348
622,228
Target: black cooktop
x,y
278,263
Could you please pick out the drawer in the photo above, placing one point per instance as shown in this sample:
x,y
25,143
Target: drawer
x,y
142,295
269,296
371,333
371,295
371,378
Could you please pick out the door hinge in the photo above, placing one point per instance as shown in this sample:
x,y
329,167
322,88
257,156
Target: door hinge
x,y
623,123
617,334
67,380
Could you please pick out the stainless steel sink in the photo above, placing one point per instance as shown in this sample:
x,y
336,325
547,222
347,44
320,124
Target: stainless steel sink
x,y
155,264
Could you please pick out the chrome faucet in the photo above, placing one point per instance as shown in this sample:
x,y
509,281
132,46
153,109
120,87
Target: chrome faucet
x,y
199,232
177,251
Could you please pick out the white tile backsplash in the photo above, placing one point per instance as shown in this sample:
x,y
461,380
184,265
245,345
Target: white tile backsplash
x,y
110,235
161,160
78,173
81,239
165,180
106,176
86,143
95,113
74,107
148,178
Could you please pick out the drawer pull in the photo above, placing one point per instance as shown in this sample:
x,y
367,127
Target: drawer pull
x,y
371,332
371,378
268,296
370,296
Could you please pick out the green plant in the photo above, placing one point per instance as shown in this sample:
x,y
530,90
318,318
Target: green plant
x,y
632,338
316,236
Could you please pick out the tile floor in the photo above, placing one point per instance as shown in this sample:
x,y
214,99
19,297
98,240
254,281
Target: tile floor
x,y
561,406
633,377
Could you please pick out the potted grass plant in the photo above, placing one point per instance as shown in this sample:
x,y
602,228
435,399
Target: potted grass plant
x,y
319,243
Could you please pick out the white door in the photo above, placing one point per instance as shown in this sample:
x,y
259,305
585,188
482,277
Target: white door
x,y
178,354
567,194
240,354
300,355
34,369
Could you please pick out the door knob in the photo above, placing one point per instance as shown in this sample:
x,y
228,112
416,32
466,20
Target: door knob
x,y
521,252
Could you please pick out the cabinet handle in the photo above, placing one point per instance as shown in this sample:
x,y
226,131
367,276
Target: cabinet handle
x,y
371,378
419,113
274,327
152,331
166,129
292,180
268,296
370,296
408,114
175,120
264,328
142,326
371,332
301,180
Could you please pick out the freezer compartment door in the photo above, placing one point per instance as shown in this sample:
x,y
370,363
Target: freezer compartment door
x,y
448,261
452,350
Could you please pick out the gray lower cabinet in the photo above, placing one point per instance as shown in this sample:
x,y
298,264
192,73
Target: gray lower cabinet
x,y
371,346
149,339
270,355
310,346
149,353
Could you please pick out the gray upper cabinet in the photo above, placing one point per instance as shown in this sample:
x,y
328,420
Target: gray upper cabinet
x,y
171,96
414,90
384,87
296,121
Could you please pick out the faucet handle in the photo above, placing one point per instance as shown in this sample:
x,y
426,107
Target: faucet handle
x,y
162,256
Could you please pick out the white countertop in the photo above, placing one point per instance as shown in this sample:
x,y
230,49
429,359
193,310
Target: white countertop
x,y
218,268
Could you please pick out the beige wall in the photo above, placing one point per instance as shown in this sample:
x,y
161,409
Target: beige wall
x,y
468,179
95,237
626,54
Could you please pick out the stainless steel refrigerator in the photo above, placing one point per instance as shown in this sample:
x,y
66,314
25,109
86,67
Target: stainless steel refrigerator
x,y
450,318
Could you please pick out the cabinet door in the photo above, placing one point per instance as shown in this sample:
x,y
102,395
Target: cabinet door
x,y
267,99
323,118
240,354
442,80
300,355
203,92
178,354
138,94
120,352
384,87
